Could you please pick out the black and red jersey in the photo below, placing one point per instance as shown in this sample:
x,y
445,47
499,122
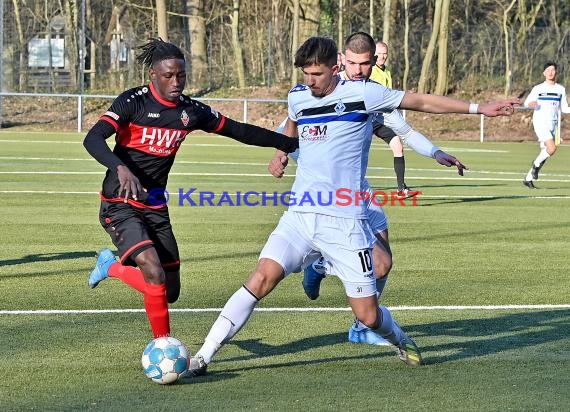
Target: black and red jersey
x,y
149,132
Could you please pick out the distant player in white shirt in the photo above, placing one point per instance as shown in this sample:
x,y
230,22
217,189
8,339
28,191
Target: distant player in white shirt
x,y
548,100
333,120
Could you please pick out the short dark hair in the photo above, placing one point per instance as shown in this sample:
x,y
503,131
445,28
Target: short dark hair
x,y
157,50
317,50
548,64
360,42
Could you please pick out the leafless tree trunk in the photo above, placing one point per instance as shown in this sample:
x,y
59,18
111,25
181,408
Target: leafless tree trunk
x,y
507,53
340,37
282,63
386,22
71,13
295,42
441,84
371,21
237,45
161,20
22,83
198,52
424,76
406,44
309,19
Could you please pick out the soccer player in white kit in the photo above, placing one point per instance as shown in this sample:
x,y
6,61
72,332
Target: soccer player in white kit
x,y
548,99
333,120
358,60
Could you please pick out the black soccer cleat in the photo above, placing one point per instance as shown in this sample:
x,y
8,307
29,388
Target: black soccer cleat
x,y
529,184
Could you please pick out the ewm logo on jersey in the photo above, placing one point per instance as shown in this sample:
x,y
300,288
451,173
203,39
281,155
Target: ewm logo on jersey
x,y
313,132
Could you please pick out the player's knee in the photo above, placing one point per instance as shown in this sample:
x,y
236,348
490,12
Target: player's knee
x,y
261,282
551,150
153,274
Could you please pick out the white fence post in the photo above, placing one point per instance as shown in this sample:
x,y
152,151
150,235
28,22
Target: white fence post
x,y
482,129
79,113
245,110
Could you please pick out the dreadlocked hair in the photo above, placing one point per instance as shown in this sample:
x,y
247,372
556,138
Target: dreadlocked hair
x,y
157,50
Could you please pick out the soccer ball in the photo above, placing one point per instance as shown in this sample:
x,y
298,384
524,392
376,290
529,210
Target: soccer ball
x,y
165,359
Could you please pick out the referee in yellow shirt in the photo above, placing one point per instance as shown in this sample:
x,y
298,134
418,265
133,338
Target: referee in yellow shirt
x,y
380,74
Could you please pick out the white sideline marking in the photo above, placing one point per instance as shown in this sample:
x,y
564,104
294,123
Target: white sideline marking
x,y
175,193
81,142
457,178
195,310
188,162
185,162
374,147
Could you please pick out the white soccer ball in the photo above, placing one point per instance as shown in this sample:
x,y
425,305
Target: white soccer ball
x,y
165,359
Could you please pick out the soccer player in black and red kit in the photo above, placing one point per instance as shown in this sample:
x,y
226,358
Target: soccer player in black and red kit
x,y
150,123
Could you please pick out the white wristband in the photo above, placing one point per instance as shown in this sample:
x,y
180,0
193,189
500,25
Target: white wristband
x,y
473,107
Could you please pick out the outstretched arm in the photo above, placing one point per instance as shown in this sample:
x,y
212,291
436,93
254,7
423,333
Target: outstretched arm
x,y
257,136
418,142
431,103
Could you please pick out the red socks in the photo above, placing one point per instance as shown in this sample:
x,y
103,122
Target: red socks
x,y
156,308
128,274
155,302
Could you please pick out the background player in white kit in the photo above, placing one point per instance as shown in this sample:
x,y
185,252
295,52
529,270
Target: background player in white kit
x,y
333,121
548,99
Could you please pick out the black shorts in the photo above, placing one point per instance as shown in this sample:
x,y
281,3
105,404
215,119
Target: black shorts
x,y
384,132
134,230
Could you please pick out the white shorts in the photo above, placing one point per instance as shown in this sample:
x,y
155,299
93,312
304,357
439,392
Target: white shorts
x,y
376,217
345,243
545,130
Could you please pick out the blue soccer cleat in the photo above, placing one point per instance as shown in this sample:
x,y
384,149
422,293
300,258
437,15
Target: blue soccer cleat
x,y
312,277
101,272
360,333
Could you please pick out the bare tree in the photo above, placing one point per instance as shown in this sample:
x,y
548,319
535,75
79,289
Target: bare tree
x,y
23,80
309,18
71,16
406,44
198,53
295,42
340,37
507,42
161,20
441,83
237,45
422,84
386,21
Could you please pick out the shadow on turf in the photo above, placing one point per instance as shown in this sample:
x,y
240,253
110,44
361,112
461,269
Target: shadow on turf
x,y
493,335
490,336
258,349
45,257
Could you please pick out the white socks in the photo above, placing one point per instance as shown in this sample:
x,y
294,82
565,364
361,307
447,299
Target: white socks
x,y
538,162
388,329
233,316
542,156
